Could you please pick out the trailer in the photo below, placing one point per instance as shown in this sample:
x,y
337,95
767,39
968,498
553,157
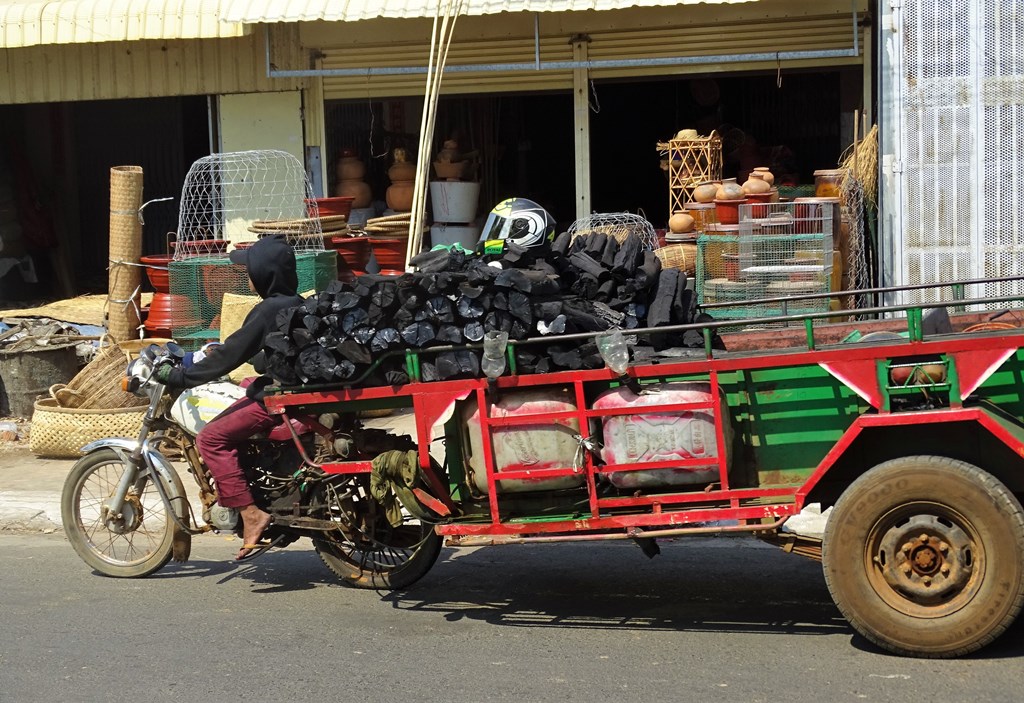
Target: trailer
x,y
907,425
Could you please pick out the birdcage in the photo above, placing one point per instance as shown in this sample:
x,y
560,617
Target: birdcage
x,y
229,201
690,163
777,254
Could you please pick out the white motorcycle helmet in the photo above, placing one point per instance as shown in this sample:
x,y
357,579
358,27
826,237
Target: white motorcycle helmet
x,y
519,221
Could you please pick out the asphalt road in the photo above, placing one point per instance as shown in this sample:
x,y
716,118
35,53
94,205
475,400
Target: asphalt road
x,y
709,620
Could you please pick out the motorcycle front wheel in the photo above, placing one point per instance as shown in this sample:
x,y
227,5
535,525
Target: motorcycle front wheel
x,y
135,543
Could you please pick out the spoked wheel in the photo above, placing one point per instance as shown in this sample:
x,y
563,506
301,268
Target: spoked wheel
x,y
366,551
134,543
924,556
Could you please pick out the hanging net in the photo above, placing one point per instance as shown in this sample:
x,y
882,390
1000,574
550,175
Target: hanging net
x,y
229,201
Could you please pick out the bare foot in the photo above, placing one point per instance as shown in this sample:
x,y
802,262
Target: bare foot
x,y
254,522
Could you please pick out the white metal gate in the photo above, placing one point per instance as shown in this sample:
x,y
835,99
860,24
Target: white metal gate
x,y
953,143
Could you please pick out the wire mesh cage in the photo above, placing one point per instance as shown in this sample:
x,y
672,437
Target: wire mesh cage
x,y
778,250
229,201
617,225
234,197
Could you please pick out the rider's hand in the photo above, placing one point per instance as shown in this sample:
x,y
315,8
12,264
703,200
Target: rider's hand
x,y
163,373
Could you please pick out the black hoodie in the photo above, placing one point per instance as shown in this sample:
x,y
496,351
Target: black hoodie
x,y
271,266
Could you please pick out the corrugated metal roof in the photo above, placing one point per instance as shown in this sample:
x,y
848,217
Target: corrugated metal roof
x,y
38,22
251,11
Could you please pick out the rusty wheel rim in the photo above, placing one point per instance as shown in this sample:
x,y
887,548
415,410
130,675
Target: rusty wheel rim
x,y
924,560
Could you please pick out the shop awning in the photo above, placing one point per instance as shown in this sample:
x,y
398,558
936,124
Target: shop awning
x,y
252,11
36,22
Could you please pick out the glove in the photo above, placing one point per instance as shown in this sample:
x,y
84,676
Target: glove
x,y
163,373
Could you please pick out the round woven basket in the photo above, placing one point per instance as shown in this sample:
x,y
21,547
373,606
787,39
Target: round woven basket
x,y
62,432
679,256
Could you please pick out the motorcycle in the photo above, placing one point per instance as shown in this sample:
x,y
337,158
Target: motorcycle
x,y
125,510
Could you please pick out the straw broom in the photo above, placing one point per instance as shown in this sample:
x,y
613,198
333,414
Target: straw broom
x,y
860,162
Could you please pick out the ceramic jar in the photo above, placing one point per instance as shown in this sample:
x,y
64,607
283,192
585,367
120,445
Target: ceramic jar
x,y
680,223
766,174
402,174
729,190
705,192
350,172
756,184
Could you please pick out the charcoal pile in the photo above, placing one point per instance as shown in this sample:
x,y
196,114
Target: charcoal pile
x,y
590,283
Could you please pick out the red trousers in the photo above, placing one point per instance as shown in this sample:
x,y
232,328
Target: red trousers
x,y
218,444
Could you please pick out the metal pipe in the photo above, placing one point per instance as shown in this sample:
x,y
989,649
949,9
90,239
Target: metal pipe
x,y
631,533
887,289
566,65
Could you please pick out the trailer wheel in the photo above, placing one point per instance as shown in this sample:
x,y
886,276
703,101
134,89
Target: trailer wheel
x,y
924,556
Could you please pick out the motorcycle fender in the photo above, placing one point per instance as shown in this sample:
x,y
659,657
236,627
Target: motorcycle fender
x,y
123,447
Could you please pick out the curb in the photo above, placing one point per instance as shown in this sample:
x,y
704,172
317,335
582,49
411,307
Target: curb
x,y
30,511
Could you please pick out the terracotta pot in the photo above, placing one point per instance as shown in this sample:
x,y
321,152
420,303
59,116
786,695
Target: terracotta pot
x,y
399,196
766,174
729,190
705,192
449,170
353,253
756,184
350,168
680,223
156,271
359,191
328,207
390,252
728,211
760,202
402,171
168,311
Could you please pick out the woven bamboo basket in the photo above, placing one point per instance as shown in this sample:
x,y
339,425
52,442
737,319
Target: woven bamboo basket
x,y
62,432
98,384
679,256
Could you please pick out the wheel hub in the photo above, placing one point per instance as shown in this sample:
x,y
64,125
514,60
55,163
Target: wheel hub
x,y
128,520
926,559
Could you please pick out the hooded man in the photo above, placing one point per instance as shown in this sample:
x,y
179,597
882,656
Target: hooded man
x,y
270,263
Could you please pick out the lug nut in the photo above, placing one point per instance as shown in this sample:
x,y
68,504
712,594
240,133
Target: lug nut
x,y
906,568
927,582
943,547
907,547
924,539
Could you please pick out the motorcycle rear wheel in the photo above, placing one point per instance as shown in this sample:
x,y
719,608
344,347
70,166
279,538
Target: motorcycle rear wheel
x,y
135,545
391,558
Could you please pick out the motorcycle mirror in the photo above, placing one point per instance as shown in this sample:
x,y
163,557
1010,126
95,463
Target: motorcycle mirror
x,y
175,351
150,352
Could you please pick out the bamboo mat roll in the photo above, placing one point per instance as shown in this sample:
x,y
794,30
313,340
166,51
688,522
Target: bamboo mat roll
x,y
123,292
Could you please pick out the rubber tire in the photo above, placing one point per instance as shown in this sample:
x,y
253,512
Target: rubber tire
x,y
997,522
395,579
82,469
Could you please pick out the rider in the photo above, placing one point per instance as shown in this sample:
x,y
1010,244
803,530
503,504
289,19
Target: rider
x,y
273,275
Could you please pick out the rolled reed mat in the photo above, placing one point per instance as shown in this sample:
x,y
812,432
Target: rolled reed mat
x,y
123,293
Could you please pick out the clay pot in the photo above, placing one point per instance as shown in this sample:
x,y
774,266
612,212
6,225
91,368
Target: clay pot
x,y
766,175
705,192
728,211
156,271
449,170
359,191
399,196
330,207
680,223
756,184
401,171
350,168
390,253
729,190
